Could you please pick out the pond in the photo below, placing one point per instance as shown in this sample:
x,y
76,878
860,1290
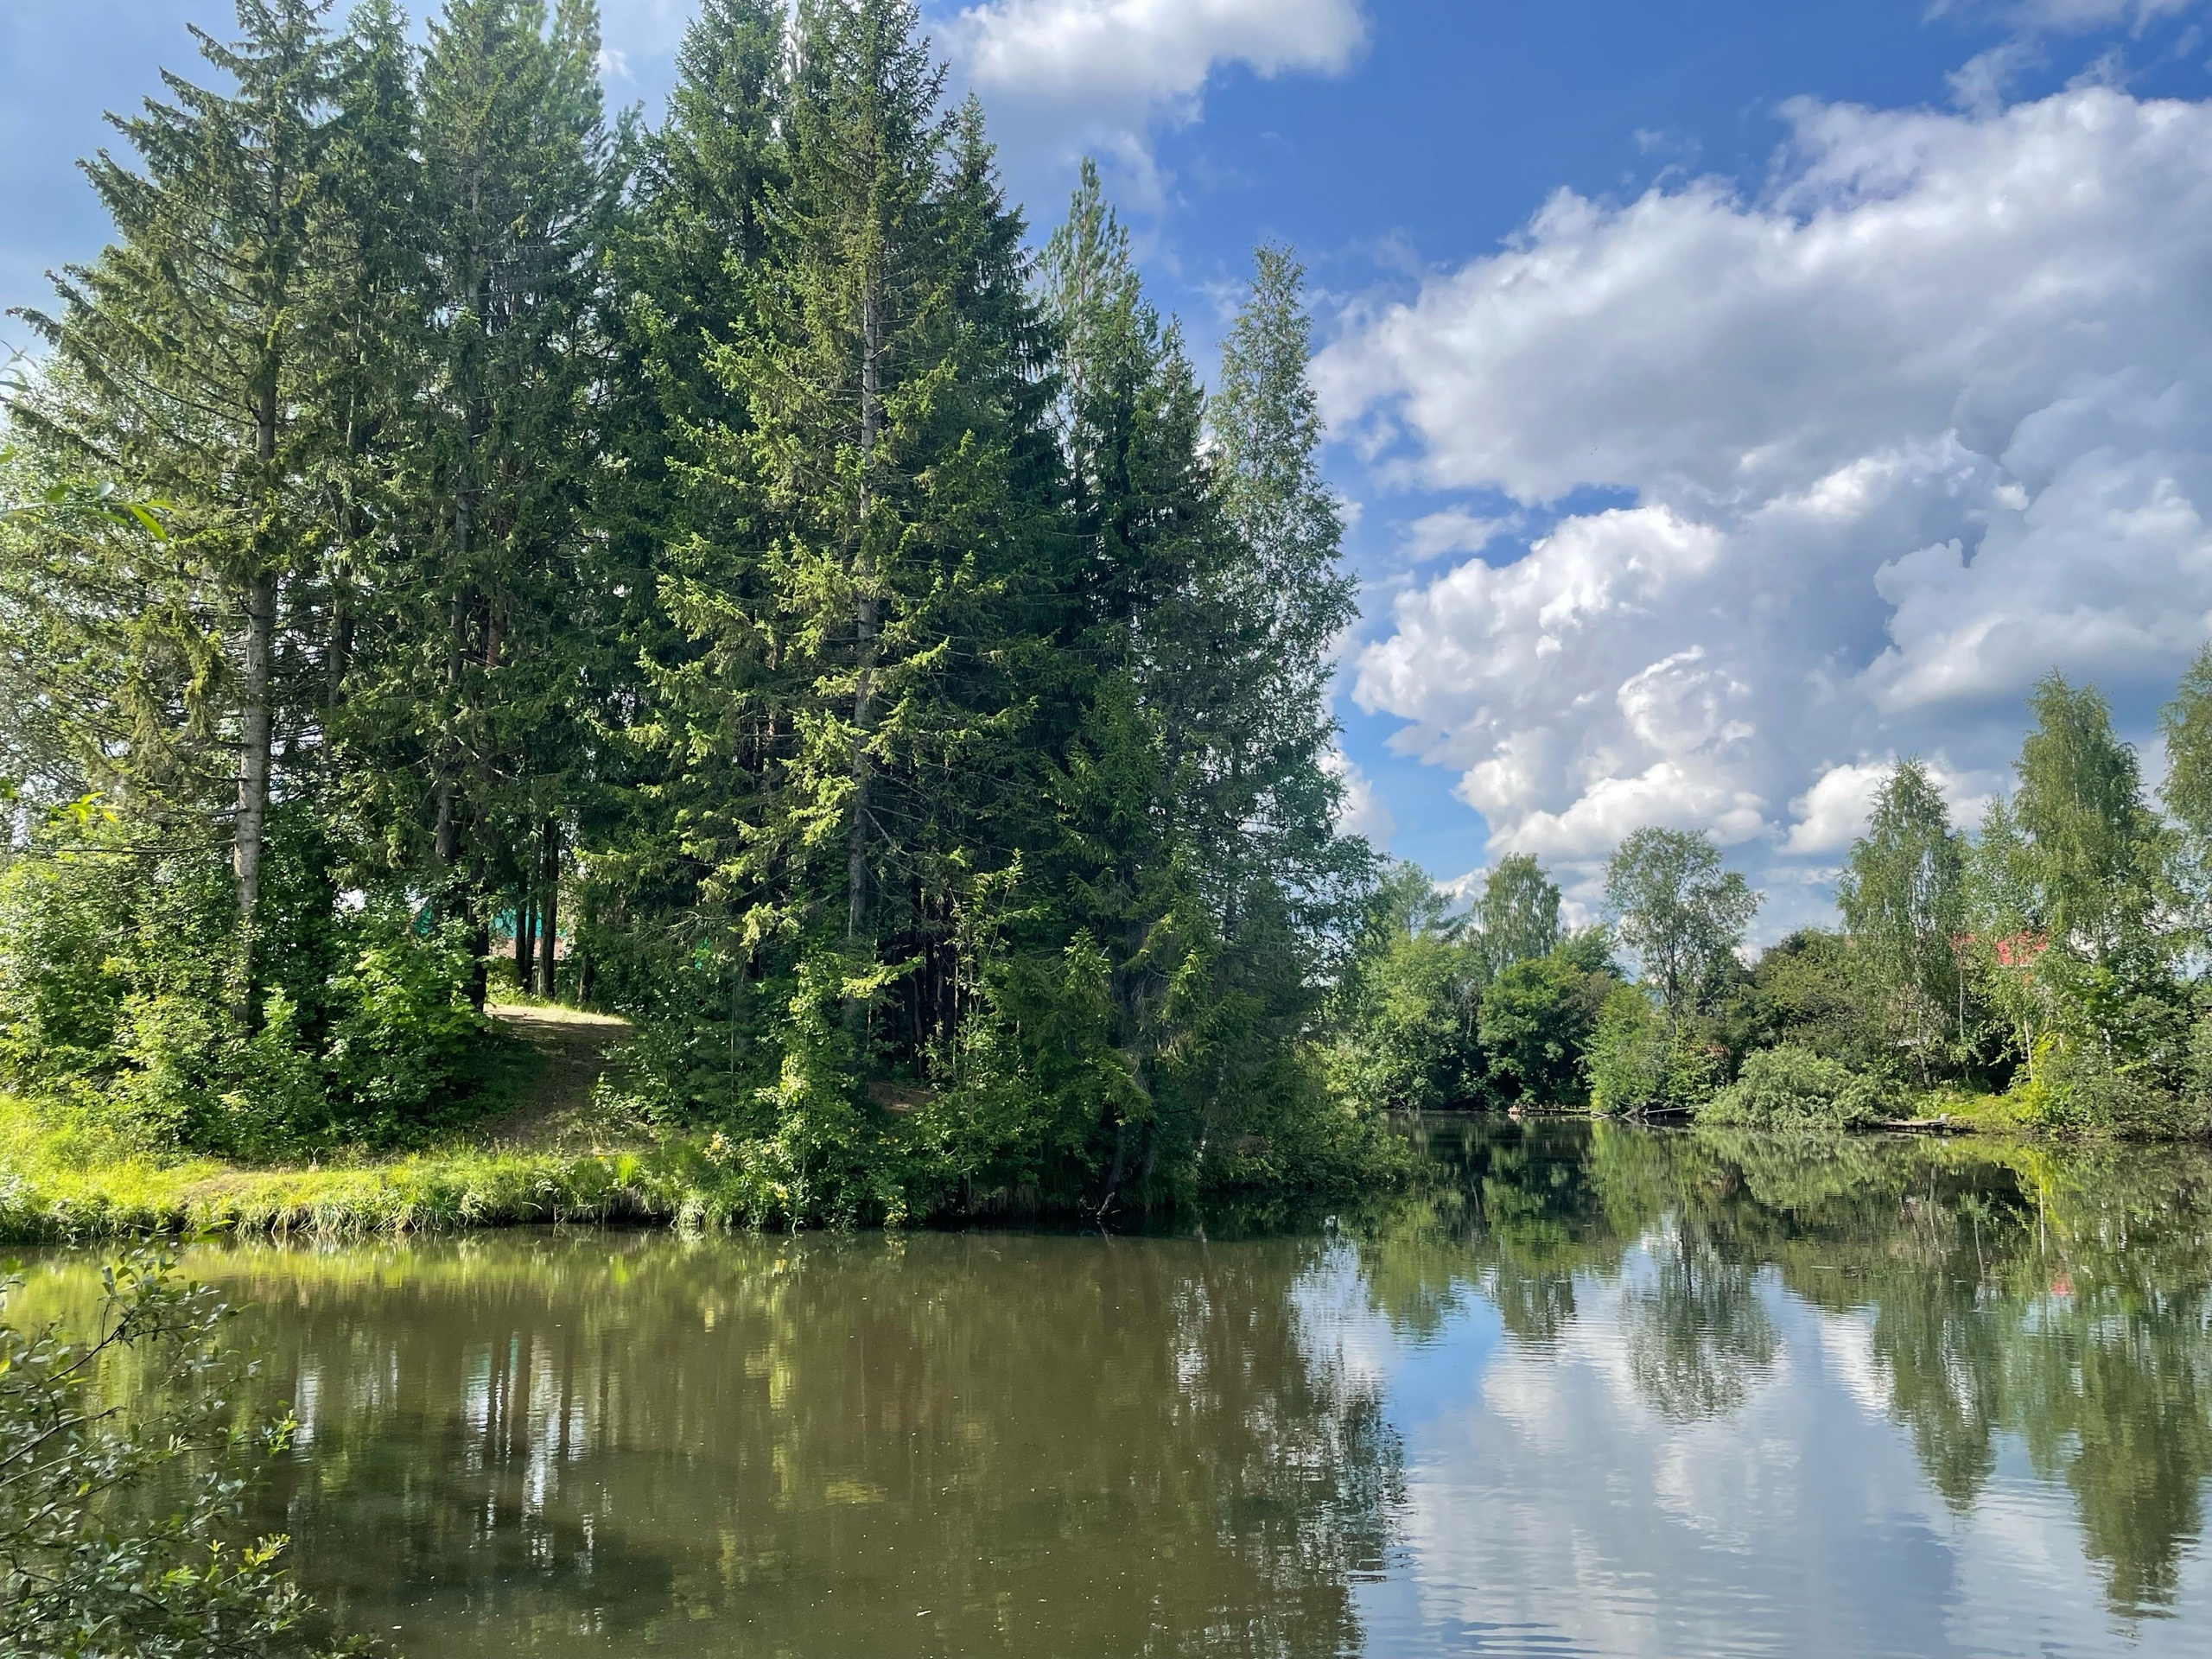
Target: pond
x,y
1597,1391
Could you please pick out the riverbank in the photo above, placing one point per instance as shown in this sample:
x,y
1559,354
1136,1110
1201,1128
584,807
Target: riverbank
x,y
55,1189
551,1147
548,1157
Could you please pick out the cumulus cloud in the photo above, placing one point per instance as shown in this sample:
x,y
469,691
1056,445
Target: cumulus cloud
x,y
1833,812
1364,812
1929,416
1064,76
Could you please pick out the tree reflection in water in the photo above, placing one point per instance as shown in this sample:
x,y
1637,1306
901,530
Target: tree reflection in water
x,y
1698,1336
972,1445
2060,1298
596,1443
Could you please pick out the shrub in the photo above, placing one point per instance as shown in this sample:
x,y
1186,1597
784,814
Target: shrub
x,y
119,994
2077,1087
1539,1019
1791,1087
1629,1053
404,1038
1411,1040
1641,1061
88,1565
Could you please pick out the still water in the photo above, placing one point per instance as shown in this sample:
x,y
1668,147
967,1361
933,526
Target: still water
x,y
1599,1392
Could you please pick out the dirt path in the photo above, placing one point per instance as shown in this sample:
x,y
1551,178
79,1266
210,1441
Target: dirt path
x,y
568,1055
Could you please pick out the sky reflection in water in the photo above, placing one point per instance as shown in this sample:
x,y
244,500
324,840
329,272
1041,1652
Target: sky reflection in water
x,y
1599,1392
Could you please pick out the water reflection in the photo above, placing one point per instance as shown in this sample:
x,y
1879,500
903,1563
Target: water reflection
x,y
1592,1391
2059,1304
957,1445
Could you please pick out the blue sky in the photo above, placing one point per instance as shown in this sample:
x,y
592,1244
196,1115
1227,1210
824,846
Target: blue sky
x,y
1727,395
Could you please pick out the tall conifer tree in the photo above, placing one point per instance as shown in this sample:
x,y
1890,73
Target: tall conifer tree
x,y
518,185
194,344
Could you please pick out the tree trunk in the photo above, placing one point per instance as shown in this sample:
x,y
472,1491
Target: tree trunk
x,y
524,954
255,724
586,975
1117,1168
548,908
449,815
340,657
255,727
867,620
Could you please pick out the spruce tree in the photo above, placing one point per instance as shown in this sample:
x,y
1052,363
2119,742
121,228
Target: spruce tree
x,y
519,183
1148,534
1288,595
189,354
369,306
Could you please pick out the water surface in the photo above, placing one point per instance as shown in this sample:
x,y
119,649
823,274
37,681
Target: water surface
x,y
1599,1392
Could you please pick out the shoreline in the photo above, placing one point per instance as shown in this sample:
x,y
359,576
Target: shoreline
x,y
66,1193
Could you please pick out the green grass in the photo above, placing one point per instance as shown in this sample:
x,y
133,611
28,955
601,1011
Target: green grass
x,y
1980,1114
62,1182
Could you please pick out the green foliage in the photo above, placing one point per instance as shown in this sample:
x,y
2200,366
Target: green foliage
x,y
2079,1085
1641,1061
1812,990
1630,1054
716,559
96,1559
404,1046
1406,1011
2093,850
119,994
1904,899
1516,916
1539,1018
1789,1087
1681,916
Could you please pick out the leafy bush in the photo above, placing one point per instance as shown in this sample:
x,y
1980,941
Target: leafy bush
x,y
1790,1087
1641,1061
1629,1050
1538,1019
1414,1043
119,994
90,1566
2077,1087
404,1038
1808,991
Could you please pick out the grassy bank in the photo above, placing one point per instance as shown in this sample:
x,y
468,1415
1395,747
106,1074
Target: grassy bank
x,y
538,1155
545,1145
59,1182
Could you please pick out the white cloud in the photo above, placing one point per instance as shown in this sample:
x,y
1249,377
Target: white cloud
x,y
2068,16
1452,530
1930,416
1984,83
1832,814
1364,812
1061,77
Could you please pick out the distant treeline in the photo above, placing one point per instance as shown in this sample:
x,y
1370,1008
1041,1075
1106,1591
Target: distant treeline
x,y
2049,972
715,573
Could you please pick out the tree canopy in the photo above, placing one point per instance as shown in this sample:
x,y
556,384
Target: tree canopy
x,y
717,574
